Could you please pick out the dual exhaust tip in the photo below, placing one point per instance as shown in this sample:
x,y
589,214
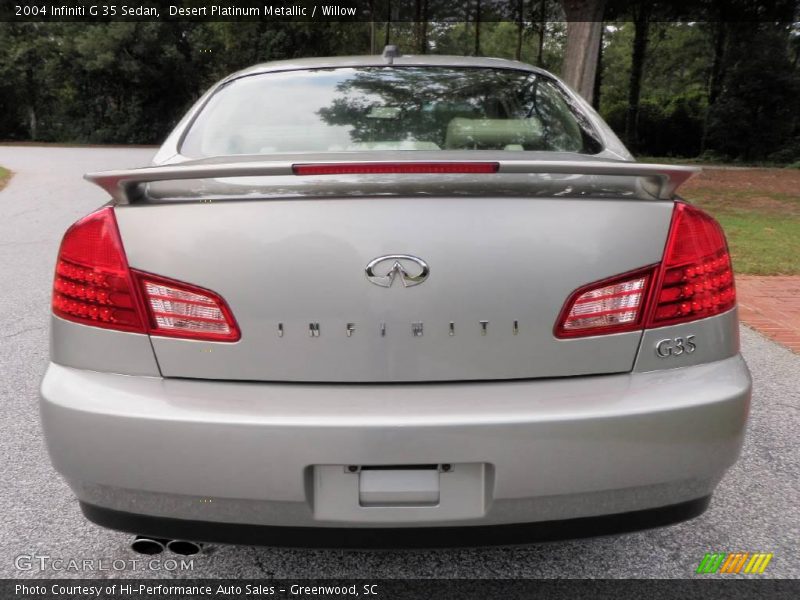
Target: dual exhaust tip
x,y
150,546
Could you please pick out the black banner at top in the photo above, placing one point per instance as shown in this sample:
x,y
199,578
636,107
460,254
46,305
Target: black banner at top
x,y
392,10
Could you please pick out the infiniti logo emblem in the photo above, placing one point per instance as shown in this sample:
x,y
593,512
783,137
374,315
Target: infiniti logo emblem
x,y
409,269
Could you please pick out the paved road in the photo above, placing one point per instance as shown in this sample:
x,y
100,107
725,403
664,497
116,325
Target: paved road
x,y
756,508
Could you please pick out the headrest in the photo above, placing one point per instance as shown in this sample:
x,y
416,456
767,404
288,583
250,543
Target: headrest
x,y
467,133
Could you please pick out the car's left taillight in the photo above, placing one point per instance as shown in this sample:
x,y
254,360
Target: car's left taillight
x,y
94,286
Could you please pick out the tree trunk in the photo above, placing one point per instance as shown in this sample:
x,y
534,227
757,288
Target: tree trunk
x,y
371,27
424,28
520,25
478,29
640,39
542,26
417,26
388,25
584,24
598,78
715,79
32,125
715,83
31,89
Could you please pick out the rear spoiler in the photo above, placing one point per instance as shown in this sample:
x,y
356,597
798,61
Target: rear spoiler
x,y
124,185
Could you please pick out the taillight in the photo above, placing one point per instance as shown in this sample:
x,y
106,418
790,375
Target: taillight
x,y
609,306
694,281
181,310
94,286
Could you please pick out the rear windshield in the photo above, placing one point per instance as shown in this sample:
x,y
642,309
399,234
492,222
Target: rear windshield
x,y
389,108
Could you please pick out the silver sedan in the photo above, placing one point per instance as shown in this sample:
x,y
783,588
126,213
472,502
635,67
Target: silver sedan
x,y
393,301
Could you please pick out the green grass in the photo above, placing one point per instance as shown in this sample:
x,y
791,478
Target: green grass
x,y
762,244
763,228
5,175
716,162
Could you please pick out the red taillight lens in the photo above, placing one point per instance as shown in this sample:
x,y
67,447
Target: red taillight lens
x,y
696,279
181,310
609,306
92,284
398,167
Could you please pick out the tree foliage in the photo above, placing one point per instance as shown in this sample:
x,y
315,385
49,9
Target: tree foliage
x,y
130,82
758,112
730,90
753,115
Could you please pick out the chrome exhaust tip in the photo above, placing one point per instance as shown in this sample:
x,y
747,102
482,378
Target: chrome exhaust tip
x,y
184,547
147,545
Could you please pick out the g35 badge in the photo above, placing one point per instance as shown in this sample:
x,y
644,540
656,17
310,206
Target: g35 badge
x,y
676,346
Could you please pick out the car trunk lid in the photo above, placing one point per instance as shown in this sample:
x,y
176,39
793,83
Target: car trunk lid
x,y
318,270
294,274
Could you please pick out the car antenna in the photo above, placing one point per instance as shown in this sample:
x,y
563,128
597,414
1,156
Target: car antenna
x,y
390,52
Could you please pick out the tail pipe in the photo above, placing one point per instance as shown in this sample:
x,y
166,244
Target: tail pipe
x,y
148,545
184,547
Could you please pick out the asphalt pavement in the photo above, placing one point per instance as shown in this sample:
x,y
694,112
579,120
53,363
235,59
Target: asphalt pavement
x,y
756,507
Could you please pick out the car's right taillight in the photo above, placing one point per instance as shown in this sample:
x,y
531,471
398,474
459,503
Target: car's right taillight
x,y
696,277
92,284
693,281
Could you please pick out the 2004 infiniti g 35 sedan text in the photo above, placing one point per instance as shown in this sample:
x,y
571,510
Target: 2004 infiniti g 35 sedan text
x,y
393,301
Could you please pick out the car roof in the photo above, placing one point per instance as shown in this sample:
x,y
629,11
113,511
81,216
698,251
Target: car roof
x,y
411,60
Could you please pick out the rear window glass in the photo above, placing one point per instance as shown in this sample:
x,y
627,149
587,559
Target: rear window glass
x,y
389,108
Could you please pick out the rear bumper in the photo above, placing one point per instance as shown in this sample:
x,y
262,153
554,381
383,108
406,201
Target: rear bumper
x,y
261,454
396,537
